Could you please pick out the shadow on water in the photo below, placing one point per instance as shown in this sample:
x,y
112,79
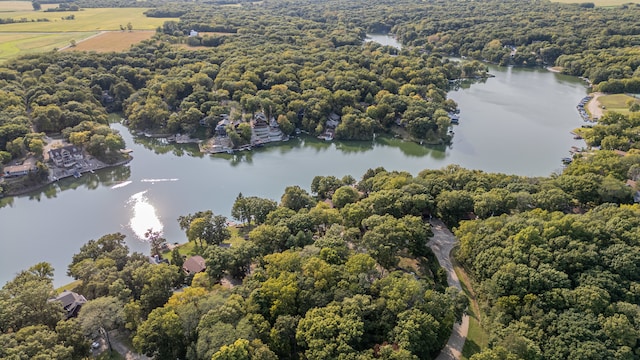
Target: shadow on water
x,y
412,149
160,146
462,84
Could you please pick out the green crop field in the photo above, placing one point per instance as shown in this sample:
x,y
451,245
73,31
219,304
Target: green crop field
x,y
599,2
85,20
12,44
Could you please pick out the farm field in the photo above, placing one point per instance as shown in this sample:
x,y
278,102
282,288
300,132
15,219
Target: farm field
x,y
32,37
8,6
13,44
616,102
600,2
111,41
85,20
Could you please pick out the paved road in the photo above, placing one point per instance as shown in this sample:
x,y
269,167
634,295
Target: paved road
x,y
442,243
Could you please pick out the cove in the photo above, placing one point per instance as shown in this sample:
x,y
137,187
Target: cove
x,y
517,122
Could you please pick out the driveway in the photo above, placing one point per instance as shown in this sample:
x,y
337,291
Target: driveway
x,y
121,348
442,243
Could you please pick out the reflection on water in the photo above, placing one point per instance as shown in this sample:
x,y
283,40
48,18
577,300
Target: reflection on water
x,y
144,216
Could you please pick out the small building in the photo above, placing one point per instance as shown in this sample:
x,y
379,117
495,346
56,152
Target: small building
x,y
18,170
333,121
194,265
106,98
221,127
193,33
71,302
66,156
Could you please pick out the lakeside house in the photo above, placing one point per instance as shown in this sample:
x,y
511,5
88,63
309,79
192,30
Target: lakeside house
x,y
66,156
332,123
71,302
194,265
18,170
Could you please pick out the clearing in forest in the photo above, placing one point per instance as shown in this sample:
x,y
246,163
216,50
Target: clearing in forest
x,y
111,41
616,102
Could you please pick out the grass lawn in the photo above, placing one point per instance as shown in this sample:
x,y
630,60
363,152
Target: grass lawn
x,y
599,2
13,44
616,102
85,20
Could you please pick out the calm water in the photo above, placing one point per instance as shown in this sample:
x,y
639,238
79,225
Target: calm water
x,y
517,122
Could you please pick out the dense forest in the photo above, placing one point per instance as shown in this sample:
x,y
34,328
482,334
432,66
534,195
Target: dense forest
x,y
302,62
343,271
310,281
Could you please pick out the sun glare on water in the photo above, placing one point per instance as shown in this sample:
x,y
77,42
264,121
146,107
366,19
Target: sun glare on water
x,y
144,216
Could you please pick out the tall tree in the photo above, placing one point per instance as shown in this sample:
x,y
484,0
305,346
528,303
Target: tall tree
x,y
98,317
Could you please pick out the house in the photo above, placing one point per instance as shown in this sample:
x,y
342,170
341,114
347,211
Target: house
x,y
193,33
66,156
106,98
194,265
333,121
71,302
18,170
221,127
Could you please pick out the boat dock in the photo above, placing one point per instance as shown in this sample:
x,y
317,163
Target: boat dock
x,y
583,112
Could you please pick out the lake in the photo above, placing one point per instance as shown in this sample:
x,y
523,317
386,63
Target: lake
x,y
517,122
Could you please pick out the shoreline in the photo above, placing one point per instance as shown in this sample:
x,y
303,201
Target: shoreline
x,y
594,107
51,181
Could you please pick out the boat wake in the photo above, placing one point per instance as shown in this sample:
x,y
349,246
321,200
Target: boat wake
x,y
122,184
158,180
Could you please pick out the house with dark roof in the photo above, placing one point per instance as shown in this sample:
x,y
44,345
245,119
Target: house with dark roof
x,y
194,265
71,302
66,156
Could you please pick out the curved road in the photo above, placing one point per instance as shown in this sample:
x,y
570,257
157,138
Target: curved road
x,y
442,243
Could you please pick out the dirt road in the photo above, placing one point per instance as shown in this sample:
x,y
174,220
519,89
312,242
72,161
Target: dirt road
x,y
594,107
442,243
